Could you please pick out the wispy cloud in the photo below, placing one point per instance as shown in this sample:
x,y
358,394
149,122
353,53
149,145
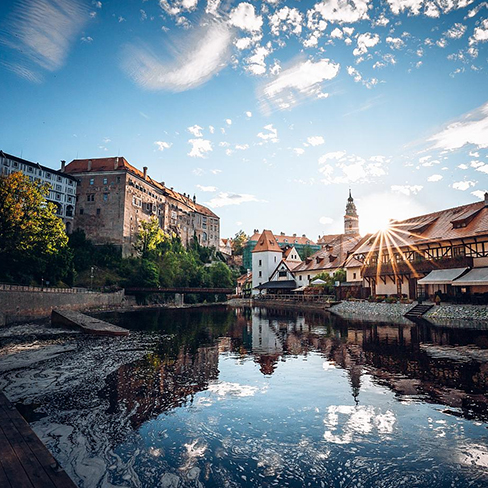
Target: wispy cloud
x,y
162,145
210,189
224,199
302,79
199,57
200,147
472,128
41,33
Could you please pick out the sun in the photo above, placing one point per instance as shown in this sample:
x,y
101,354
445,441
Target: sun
x,y
378,210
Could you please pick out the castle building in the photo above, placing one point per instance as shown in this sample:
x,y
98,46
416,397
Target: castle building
x,y
114,197
62,187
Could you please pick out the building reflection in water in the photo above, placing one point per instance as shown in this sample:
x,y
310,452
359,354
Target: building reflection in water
x,y
417,362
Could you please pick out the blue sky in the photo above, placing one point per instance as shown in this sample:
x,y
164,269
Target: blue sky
x,y
268,111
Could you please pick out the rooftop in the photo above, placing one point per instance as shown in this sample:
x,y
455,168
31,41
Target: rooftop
x,y
267,242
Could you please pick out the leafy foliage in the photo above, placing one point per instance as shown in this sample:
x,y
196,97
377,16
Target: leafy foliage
x,y
238,243
33,242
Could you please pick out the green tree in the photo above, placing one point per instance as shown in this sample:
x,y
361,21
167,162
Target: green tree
x,y
149,238
238,243
31,235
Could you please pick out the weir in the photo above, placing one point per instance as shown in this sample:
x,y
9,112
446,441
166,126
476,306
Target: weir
x,y
86,324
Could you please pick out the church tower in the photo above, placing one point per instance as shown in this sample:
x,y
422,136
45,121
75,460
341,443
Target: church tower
x,y
351,219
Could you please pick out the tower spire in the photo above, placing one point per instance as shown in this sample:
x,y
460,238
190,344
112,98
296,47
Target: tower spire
x,y
351,219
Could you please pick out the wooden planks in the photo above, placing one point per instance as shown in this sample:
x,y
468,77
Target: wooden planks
x,y
24,461
86,324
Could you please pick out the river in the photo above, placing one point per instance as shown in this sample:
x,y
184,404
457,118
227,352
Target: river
x,y
241,397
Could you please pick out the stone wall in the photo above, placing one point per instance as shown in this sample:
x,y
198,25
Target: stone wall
x,y
373,312
17,306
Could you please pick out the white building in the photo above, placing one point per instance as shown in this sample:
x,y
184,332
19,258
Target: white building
x,y
62,186
265,259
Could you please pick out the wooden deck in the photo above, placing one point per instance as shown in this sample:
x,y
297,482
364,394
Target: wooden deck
x,y
24,460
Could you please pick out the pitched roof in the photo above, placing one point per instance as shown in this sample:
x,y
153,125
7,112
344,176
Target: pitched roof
x,y
461,222
332,256
327,238
267,242
120,163
284,239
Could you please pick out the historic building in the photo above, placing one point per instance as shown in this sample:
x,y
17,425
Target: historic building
x,y
114,196
302,244
62,186
335,249
444,251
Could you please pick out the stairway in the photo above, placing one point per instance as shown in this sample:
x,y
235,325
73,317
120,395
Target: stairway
x,y
417,311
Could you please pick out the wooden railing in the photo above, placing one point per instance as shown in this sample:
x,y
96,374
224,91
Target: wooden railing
x,y
297,298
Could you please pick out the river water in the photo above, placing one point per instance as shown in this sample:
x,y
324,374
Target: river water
x,y
225,397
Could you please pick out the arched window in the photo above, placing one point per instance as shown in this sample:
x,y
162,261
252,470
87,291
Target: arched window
x,y
69,211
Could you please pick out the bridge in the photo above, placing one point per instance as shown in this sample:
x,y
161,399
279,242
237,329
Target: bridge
x,y
183,291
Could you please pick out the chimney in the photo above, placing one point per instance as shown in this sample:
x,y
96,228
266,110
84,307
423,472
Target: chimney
x,y
303,235
294,235
162,183
256,231
486,198
89,165
282,233
194,199
116,162
63,165
145,172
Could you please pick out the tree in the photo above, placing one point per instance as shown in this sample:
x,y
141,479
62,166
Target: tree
x,y
31,235
149,238
238,243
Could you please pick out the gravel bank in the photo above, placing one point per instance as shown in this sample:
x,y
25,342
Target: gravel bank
x,y
373,312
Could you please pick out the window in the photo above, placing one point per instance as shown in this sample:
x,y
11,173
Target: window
x,y
59,178
16,164
105,197
308,277
275,259
92,181
58,196
118,179
354,276
69,211
90,197
98,211
29,169
260,274
281,274
70,182
105,181
260,262
48,176
300,277
59,187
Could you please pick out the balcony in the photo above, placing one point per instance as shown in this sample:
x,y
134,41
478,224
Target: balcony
x,y
421,266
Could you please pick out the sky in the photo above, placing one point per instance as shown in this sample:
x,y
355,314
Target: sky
x,y
268,111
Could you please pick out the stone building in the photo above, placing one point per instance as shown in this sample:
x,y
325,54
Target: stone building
x,y
114,196
62,186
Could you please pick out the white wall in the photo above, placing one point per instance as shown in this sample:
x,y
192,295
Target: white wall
x,y
264,262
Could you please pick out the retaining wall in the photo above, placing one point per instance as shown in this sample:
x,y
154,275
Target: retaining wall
x,y
17,306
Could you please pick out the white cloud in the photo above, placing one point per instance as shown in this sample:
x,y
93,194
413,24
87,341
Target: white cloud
x,y
463,166
286,20
242,147
456,31
224,199
479,194
315,140
480,33
302,79
395,42
472,128
463,185
243,43
299,151
256,62
87,39
249,114
337,34
365,41
406,189
483,168
228,121
210,189
434,178
358,78
162,145
195,130
271,134
41,33
339,168
199,147
244,17
195,61
341,11
215,171
176,7
326,220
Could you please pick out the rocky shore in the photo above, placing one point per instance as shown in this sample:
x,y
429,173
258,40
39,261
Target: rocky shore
x,y
373,312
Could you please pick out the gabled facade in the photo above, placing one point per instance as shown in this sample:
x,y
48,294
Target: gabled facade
x,y
283,272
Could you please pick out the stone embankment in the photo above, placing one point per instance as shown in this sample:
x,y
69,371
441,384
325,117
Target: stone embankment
x,y
28,303
373,312
459,315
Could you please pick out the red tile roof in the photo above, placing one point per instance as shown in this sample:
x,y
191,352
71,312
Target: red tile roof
x,y
267,242
332,256
283,239
120,163
453,223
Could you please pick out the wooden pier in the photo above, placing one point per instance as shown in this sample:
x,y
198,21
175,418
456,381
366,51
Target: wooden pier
x,y
86,324
24,460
